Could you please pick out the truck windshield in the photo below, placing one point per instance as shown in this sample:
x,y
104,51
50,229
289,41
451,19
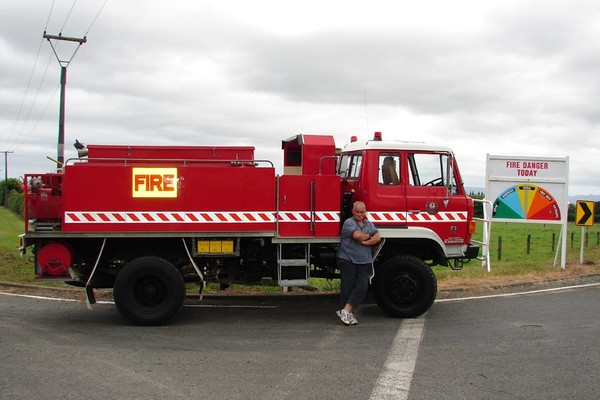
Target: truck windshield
x,y
429,169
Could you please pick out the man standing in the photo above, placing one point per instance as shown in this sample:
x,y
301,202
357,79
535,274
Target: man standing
x,y
355,259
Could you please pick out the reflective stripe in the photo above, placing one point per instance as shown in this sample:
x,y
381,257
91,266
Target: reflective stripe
x,y
403,216
117,217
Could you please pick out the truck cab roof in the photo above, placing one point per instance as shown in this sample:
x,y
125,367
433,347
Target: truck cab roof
x,y
393,145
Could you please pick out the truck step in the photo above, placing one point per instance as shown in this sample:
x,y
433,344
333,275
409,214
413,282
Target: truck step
x,y
294,269
293,262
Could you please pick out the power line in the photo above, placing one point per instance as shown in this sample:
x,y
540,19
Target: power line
x,y
13,130
30,132
68,16
96,17
49,15
33,103
26,92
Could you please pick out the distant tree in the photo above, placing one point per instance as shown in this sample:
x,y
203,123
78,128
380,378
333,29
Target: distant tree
x,y
571,212
16,202
12,184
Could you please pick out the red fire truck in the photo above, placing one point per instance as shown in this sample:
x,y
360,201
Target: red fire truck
x,y
144,220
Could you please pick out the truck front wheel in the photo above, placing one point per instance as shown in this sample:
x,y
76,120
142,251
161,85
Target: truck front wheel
x,y
405,287
149,291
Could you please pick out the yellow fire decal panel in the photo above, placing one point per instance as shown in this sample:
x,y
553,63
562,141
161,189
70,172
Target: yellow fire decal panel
x,y
154,182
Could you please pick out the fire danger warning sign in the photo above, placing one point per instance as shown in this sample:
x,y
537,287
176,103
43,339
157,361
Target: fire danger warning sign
x,y
529,189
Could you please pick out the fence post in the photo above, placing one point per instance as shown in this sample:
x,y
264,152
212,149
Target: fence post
x,y
572,237
528,244
500,247
553,241
587,235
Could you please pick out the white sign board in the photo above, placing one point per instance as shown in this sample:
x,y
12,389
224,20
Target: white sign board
x,y
529,189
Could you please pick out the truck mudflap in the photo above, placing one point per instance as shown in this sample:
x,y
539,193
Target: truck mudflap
x,y
196,268
472,251
375,254
89,290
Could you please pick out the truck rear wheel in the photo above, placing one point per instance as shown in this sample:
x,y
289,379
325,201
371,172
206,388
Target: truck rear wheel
x,y
149,291
405,287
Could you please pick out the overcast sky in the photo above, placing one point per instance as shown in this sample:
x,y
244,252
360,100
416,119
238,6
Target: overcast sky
x,y
518,78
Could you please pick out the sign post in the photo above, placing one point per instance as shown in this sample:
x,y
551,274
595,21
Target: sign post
x,y
584,217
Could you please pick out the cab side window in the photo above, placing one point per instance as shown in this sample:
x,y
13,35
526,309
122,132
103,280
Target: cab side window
x,y
389,169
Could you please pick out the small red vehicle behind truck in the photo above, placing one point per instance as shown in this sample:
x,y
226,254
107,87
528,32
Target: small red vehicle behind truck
x,y
144,220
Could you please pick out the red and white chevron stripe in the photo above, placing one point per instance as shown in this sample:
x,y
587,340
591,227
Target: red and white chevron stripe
x,y
118,217
391,216
304,216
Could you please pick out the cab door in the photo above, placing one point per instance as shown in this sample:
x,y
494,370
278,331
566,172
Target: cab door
x,y
433,198
387,199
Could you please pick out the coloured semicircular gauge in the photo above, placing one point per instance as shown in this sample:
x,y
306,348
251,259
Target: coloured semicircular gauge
x,y
527,202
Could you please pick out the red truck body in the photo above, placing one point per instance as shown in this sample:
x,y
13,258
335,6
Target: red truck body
x,y
140,219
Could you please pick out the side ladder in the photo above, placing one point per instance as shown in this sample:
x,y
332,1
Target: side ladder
x,y
293,264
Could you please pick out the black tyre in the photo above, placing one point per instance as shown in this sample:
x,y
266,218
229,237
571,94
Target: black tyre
x,y
149,291
405,287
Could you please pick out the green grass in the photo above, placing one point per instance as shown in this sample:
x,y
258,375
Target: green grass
x,y
514,262
13,267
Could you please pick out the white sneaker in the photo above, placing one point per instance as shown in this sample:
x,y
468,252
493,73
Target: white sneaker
x,y
343,314
346,317
353,320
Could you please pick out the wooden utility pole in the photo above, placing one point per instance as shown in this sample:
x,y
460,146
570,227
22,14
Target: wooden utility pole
x,y
6,153
60,149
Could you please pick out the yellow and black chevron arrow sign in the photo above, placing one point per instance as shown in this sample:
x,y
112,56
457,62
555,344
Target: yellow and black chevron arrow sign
x,y
584,213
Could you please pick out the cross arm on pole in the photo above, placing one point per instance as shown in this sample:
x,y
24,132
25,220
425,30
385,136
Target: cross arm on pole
x,y
67,38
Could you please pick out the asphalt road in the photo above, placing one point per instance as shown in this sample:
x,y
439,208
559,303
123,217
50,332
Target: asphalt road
x,y
544,345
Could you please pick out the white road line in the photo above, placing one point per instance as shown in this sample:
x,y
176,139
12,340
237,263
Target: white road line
x,y
395,377
491,296
39,297
112,302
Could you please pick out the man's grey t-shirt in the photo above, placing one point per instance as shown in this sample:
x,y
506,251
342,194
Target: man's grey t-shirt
x,y
350,249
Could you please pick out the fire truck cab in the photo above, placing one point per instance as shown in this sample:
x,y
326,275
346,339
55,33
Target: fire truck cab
x,y
144,220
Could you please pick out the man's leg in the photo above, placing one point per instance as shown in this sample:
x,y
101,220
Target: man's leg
x,y
360,285
347,279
